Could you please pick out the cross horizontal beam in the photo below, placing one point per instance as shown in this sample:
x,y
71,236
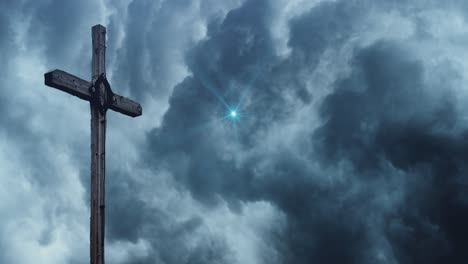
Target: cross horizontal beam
x,y
78,87
68,83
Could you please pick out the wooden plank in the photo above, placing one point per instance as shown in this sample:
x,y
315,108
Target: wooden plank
x,y
125,106
99,51
98,172
98,154
68,83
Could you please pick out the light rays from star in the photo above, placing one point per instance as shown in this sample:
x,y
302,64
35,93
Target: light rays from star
x,y
232,114
229,118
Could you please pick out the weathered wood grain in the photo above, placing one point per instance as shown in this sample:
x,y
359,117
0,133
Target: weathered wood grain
x,y
125,106
98,154
68,83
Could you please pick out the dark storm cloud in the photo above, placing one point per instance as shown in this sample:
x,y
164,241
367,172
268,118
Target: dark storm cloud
x,y
379,178
56,31
157,33
383,113
15,120
59,32
224,68
170,239
6,44
32,169
327,25
384,121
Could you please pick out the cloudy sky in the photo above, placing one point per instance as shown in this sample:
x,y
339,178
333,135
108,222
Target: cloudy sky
x,y
349,144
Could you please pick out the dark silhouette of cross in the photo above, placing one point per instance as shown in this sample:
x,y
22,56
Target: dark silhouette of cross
x,y
98,92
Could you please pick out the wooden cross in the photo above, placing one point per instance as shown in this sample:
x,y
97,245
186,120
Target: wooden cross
x,y
98,92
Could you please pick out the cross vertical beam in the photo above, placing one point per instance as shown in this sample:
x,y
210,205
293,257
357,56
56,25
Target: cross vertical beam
x,y
98,146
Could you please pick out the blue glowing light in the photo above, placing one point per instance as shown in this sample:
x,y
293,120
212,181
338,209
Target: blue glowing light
x,y
233,114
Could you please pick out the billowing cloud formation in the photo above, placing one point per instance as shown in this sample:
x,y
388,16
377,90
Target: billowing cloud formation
x,y
382,170
348,145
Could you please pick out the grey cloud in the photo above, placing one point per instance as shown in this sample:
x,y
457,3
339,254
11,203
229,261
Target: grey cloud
x,y
170,238
157,34
381,120
382,113
378,178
